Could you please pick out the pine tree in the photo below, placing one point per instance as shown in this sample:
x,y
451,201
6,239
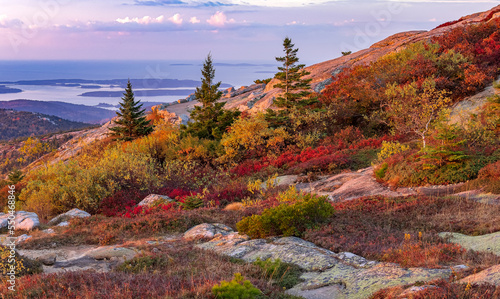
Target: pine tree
x,y
132,121
15,176
297,90
209,120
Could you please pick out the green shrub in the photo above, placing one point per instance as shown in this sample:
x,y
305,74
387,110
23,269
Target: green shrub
x,y
192,202
380,171
236,289
288,219
283,274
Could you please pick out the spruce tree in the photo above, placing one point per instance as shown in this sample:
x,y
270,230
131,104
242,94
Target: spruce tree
x,y
15,176
210,120
297,90
132,121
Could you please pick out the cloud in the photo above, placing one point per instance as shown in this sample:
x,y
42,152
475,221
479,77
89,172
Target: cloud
x,y
194,20
190,3
143,21
176,19
5,22
159,2
219,19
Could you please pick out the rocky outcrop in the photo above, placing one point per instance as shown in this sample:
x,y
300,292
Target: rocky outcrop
x,y
479,196
153,200
74,213
490,275
471,104
7,240
327,274
487,243
108,252
207,231
321,73
23,220
100,259
351,185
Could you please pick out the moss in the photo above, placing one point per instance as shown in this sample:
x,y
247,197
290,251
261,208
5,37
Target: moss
x,y
487,243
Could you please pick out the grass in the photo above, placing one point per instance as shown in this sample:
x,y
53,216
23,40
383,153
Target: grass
x,y
174,270
443,289
103,230
378,228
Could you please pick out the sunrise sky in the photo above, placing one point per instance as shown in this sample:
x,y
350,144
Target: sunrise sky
x,y
231,29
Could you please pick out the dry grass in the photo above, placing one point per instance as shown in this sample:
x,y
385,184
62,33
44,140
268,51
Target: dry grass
x,y
116,230
375,228
174,270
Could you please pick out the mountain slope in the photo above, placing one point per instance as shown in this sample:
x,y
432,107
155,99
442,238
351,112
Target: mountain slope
x,y
20,124
73,112
258,97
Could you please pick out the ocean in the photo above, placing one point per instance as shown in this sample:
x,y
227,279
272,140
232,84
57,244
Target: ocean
x,y
230,72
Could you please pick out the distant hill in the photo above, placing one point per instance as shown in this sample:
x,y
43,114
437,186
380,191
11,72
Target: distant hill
x,y
140,93
15,124
148,83
72,112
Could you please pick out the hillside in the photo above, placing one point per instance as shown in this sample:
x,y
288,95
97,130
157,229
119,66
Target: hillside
x,y
76,113
386,184
15,124
258,97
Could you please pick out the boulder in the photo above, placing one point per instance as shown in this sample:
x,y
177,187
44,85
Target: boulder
x,y
68,215
7,240
3,220
64,223
107,252
47,259
488,243
48,231
207,231
154,199
24,220
284,180
22,238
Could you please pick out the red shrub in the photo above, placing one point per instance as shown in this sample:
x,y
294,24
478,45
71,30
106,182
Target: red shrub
x,y
419,254
490,171
120,202
228,194
176,193
248,167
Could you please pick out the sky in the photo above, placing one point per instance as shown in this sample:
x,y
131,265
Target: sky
x,y
231,30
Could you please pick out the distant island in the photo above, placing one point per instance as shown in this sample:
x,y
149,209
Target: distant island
x,y
139,93
4,89
148,83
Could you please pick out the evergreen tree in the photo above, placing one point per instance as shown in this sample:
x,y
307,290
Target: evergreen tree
x,y
15,176
209,120
297,90
132,121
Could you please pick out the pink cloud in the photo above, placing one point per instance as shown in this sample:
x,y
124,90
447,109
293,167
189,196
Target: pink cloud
x,y
219,19
176,19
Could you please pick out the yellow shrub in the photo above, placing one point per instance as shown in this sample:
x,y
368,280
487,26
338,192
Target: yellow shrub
x,y
390,148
